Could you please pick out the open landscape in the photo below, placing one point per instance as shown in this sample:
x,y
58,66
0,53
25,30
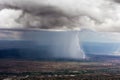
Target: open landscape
x,y
59,39
11,69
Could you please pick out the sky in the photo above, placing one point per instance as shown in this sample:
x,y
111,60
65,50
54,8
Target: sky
x,y
93,36
85,35
97,15
97,20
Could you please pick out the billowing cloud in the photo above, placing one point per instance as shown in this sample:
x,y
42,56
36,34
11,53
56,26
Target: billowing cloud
x,y
117,1
99,15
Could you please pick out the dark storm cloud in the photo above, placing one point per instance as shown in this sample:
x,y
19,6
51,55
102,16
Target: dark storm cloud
x,y
117,1
99,15
41,16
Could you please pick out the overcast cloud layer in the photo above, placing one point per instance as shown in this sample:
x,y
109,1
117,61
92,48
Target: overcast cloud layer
x,y
98,15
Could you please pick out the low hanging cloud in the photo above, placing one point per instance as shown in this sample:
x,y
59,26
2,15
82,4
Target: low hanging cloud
x,y
98,15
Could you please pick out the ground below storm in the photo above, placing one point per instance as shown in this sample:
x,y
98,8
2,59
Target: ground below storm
x,y
55,70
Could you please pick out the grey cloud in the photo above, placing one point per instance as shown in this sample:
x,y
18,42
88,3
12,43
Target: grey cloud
x,y
99,15
117,1
41,16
